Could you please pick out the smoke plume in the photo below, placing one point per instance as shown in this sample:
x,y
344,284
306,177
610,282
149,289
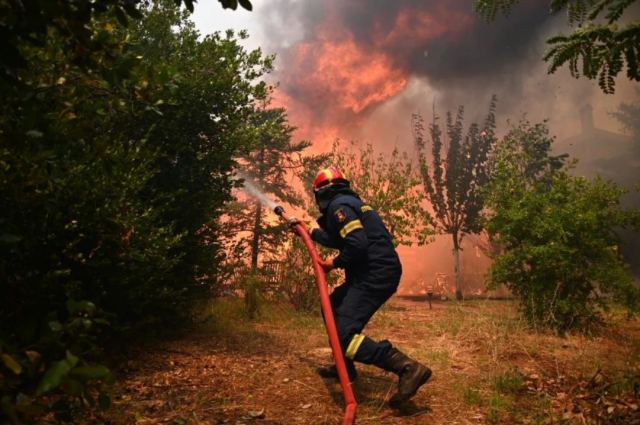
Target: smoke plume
x,y
339,63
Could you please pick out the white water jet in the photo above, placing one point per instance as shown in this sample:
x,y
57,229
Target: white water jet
x,y
252,189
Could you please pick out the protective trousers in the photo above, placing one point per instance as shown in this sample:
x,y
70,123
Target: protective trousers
x,y
353,307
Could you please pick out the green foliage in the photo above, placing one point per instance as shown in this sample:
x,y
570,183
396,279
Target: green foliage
x,y
508,382
59,379
602,48
499,407
471,396
270,163
389,183
298,285
559,249
33,22
114,170
251,284
453,184
207,119
603,51
525,151
233,4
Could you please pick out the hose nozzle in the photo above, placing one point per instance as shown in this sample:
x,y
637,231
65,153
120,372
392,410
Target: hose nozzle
x,y
293,222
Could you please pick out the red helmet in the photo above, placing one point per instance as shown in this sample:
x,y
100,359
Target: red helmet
x,y
326,177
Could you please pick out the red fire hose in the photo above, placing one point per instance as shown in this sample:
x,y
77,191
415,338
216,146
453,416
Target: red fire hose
x,y
330,323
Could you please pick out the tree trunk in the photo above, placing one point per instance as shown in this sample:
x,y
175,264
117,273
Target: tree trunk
x,y
456,266
255,242
257,222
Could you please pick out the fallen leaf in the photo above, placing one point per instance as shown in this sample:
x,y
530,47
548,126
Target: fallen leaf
x,y
34,356
12,364
256,414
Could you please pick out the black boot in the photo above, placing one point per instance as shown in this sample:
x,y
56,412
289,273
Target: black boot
x,y
332,372
411,373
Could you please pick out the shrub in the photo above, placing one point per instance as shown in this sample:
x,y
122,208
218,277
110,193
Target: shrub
x,y
557,233
114,167
298,281
252,284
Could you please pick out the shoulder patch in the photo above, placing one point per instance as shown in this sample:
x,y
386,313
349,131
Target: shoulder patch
x,y
340,215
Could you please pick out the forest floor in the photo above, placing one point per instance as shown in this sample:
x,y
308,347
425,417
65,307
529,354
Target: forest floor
x,y
487,368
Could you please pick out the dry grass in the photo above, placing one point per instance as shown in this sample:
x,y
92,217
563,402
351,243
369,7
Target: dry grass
x,y
488,368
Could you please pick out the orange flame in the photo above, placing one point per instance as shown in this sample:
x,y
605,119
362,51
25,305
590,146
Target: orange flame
x,y
331,80
343,71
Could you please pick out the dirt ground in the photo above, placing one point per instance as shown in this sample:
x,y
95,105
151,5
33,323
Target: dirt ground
x,y
487,368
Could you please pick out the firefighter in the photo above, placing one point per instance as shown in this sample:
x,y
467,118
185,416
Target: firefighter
x,y
372,270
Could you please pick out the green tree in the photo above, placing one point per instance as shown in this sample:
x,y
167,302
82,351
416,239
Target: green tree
x,y
270,166
32,23
206,119
390,184
453,184
299,286
602,47
254,234
557,233
115,170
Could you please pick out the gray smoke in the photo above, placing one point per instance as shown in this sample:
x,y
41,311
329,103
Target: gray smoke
x,y
456,53
475,57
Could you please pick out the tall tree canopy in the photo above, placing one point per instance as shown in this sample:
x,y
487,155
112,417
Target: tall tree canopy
x,y
31,23
453,184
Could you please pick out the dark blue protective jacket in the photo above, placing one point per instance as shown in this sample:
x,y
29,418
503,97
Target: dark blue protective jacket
x,y
367,253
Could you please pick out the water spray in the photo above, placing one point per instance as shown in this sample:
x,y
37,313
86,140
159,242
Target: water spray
x,y
253,190
330,323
